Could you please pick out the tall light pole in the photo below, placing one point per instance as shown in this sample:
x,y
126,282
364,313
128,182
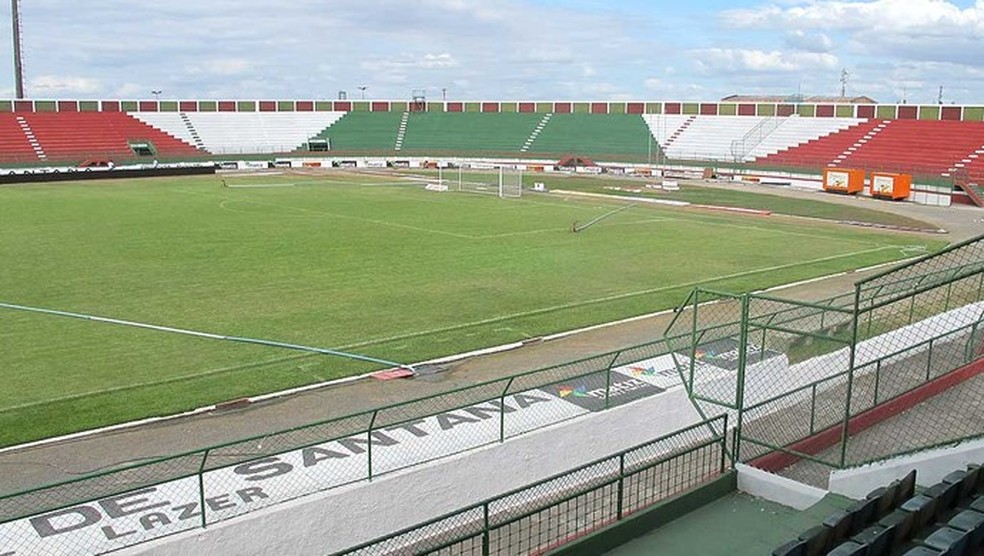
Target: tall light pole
x,y
363,89
18,62
157,95
444,93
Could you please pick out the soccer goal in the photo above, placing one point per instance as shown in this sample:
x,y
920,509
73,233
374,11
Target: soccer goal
x,y
501,181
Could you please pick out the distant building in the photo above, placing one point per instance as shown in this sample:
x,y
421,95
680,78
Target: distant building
x,y
794,99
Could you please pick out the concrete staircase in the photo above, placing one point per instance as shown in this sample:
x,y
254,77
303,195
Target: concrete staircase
x,y
859,143
536,132
402,132
35,144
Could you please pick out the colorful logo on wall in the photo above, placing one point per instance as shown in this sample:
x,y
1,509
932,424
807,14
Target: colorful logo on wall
x,y
575,391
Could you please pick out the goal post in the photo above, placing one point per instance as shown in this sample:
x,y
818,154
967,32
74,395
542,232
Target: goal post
x,y
501,181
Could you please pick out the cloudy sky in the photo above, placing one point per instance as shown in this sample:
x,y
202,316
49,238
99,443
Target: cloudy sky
x,y
498,49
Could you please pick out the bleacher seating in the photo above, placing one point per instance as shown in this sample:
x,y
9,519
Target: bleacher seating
x,y
364,131
246,132
946,518
72,136
666,127
820,152
794,131
463,131
14,146
711,137
594,135
920,147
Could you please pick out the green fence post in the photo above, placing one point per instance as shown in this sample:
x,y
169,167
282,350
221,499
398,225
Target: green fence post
x,y
372,423
813,407
742,348
485,529
850,372
621,485
608,379
929,359
201,486
502,412
877,381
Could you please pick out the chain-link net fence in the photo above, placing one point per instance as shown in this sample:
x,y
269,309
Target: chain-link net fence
x,y
541,516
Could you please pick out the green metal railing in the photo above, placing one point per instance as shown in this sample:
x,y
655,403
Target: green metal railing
x,y
550,512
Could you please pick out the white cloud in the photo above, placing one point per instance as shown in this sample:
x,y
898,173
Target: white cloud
x,y
748,60
55,85
808,42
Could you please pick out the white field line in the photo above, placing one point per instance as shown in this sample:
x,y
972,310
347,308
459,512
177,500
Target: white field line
x,y
260,185
447,359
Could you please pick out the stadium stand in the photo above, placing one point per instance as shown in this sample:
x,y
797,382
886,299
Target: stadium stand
x,y
363,132
710,137
593,135
921,147
14,143
667,127
946,518
463,131
244,132
70,136
794,131
821,151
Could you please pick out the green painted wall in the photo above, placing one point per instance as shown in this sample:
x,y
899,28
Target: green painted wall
x,y
654,108
929,112
323,106
807,110
844,111
6,106
510,107
581,108
208,106
691,108
168,106
89,106
616,108
400,106
246,106
473,107
45,106
973,113
885,112
432,107
129,106
765,110
285,106
544,107
728,109
360,106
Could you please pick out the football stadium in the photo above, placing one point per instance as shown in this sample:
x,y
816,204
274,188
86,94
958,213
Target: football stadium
x,y
421,325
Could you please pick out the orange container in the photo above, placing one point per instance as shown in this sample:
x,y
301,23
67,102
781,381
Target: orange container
x,y
842,180
890,186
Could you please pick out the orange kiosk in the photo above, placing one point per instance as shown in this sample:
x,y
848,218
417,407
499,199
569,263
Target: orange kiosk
x,y
842,180
890,186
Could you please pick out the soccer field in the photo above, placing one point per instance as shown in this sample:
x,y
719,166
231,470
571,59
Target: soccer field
x,y
370,264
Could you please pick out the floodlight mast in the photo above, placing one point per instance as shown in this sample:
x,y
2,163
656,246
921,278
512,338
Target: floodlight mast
x,y
18,58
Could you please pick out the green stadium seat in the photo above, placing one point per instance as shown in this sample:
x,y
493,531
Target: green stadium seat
x,y
839,524
849,548
878,539
907,488
863,514
924,509
948,541
902,523
794,547
970,522
886,497
817,540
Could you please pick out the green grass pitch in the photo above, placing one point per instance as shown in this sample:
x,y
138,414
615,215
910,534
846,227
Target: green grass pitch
x,y
358,263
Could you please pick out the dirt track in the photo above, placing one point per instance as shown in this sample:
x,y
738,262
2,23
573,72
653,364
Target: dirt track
x,y
66,459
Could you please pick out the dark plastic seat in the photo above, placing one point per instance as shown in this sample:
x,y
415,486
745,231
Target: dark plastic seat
x,y
970,522
849,548
948,541
975,477
977,504
794,547
817,540
902,523
907,488
863,512
921,551
946,493
839,524
886,497
878,539
924,507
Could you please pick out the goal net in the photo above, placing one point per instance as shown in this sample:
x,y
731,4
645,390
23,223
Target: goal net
x,y
501,181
